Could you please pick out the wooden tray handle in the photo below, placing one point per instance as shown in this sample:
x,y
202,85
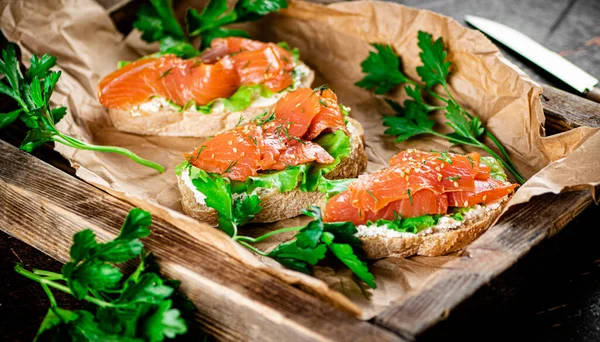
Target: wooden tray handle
x,y
593,94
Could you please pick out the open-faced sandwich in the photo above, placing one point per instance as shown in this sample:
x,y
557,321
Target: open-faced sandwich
x,y
288,156
424,203
230,82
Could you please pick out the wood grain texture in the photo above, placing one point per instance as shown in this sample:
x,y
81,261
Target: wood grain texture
x,y
521,228
565,111
234,301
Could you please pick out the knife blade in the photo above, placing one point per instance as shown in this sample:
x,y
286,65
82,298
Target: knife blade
x,y
538,54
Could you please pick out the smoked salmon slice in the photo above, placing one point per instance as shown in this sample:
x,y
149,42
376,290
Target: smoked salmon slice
x,y
217,73
424,202
234,153
275,140
329,118
417,183
485,192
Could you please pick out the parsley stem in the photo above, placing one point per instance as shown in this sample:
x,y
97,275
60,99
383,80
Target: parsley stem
x,y
72,142
50,295
437,96
267,235
514,169
49,283
503,151
253,249
49,275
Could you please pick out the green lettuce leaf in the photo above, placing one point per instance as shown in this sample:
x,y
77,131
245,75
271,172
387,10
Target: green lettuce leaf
x,y
241,99
408,225
338,146
332,187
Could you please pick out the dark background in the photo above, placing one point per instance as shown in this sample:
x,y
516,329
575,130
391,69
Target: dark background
x,y
552,294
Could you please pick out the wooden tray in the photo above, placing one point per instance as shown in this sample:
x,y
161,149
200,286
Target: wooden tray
x,y
236,302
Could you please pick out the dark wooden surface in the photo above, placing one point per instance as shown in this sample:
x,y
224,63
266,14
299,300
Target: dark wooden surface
x,y
554,292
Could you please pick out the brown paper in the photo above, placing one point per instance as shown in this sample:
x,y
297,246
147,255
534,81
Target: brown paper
x,y
333,40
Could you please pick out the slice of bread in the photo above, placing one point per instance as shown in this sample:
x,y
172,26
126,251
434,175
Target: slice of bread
x,y
278,206
168,121
433,241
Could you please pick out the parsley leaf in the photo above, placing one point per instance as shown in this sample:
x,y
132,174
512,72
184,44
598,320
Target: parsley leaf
x,y
412,118
382,69
244,208
346,254
8,118
252,10
164,322
312,243
32,92
298,258
410,121
231,213
158,23
141,307
90,268
435,69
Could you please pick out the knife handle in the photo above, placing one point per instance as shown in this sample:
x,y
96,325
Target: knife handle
x,y
593,94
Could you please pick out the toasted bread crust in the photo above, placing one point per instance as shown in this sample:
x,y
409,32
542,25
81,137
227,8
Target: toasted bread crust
x,y
186,123
433,244
278,206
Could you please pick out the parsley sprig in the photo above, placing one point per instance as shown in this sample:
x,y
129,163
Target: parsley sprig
x,y
311,244
32,92
383,73
158,23
141,307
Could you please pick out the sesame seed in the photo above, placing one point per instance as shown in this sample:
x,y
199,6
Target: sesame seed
x,y
466,204
212,156
234,150
456,184
442,165
229,142
437,168
406,178
243,154
439,178
484,197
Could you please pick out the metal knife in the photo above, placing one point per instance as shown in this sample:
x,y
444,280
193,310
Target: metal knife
x,y
544,58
